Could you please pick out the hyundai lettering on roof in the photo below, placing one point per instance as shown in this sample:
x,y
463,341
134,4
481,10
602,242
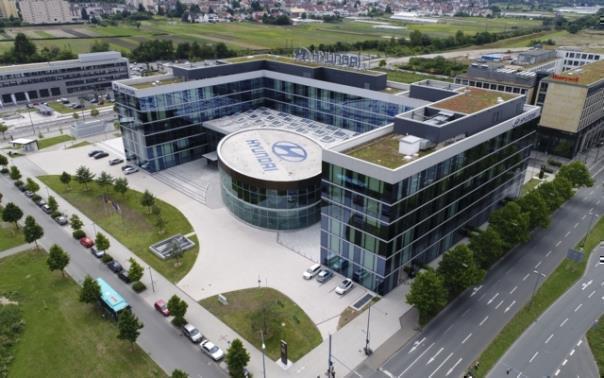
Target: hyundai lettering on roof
x,y
270,154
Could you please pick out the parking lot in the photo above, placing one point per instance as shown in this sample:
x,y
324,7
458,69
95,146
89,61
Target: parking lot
x,y
233,255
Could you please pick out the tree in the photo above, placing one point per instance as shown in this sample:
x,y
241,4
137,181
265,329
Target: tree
x,y
100,46
428,294
177,308
3,129
120,185
75,222
564,187
135,273
101,241
550,195
459,270
57,259
52,204
84,176
161,225
176,250
487,247
94,112
12,214
104,180
75,115
32,230
91,291
86,17
179,374
32,186
237,358
24,50
14,174
148,200
129,327
511,224
537,209
65,179
3,161
576,173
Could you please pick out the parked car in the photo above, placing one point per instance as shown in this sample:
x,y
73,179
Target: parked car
x,y
21,186
211,350
324,275
94,152
123,275
62,220
114,266
28,193
116,161
45,208
101,155
97,253
161,306
344,287
40,202
86,242
130,170
192,333
311,271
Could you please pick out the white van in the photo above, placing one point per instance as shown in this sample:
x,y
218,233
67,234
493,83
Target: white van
x,y
311,272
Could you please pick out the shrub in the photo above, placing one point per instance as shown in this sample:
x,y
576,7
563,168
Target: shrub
x,y
36,197
139,286
554,163
78,234
19,183
55,214
106,258
4,171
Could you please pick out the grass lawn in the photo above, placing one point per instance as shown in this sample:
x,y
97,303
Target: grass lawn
x,y
47,142
60,107
9,236
134,227
595,336
79,144
288,321
530,185
567,273
63,337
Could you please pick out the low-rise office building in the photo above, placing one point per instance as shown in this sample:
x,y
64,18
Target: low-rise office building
x,y
35,82
573,57
46,12
572,119
402,171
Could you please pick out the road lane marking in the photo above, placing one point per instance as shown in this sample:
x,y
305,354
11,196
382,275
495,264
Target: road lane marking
x,y
567,233
591,294
572,352
475,290
576,224
583,217
558,243
465,312
467,337
586,284
525,277
441,365
447,330
534,356
513,290
414,361
484,320
434,357
578,307
499,304
538,264
416,344
509,307
557,372
590,210
579,342
549,338
565,362
563,322
453,367
597,202
548,253
492,299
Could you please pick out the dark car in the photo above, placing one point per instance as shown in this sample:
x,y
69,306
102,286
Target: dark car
x,y
123,275
86,242
62,220
97,253
114,266
40,202
162,307
101,155
324,275
21,186
94,152
127,166
116,161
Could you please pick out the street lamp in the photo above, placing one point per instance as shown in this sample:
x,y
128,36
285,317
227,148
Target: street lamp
x,y
367,350
263,348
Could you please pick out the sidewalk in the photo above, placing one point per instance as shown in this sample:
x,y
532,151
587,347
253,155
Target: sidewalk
x,y
15,250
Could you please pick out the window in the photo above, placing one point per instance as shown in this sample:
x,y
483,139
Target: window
x,y
55,91
32,94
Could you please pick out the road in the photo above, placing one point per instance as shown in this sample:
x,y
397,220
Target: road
x,y
163,342
547,346
452,341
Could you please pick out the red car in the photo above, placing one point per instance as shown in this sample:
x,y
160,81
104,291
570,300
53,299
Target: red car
x,y
162,307
86,242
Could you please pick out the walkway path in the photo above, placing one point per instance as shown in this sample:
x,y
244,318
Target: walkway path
x,y
15,250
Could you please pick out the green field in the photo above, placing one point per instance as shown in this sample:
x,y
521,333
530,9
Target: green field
x,y
135,227
63,337
47,142
284,319
251,36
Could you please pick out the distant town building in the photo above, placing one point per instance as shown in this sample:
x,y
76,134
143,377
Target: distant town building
x,y
46,12
8,8
90,73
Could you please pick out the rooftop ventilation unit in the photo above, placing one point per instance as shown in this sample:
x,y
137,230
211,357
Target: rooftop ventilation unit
x,y
409,145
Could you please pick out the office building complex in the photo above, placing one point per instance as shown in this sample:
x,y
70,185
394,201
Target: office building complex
x,y
90,73
46,12
393,174
572,119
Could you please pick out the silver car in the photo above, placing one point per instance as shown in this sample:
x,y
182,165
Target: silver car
x,y
211,350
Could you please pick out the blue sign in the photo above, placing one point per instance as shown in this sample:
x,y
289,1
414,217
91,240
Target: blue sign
x,y
290,151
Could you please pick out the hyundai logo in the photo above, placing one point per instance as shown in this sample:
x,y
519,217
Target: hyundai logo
x,y
289,151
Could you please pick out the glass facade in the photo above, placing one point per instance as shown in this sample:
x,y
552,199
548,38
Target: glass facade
x,y
272,205
164,130
371,229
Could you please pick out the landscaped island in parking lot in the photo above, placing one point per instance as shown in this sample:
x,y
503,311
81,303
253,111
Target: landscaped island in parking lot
x,y
133,226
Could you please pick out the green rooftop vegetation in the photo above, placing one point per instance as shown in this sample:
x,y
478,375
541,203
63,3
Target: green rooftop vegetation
x,y
156,83
587,74
383,151
473,100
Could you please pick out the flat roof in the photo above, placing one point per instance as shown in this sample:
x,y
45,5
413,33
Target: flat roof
x,y
384,151
472,100
82,59
584,75
156,82
271,155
